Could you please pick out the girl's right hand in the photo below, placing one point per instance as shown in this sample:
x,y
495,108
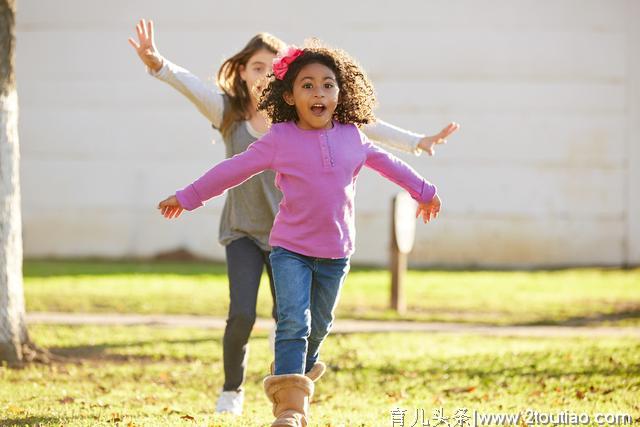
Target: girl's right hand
x,y
146,47
170,207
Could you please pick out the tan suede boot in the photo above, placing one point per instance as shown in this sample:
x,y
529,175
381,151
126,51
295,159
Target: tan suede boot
x,y
318,370
290,395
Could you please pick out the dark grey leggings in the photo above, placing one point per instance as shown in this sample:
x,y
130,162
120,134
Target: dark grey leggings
x,y
245,262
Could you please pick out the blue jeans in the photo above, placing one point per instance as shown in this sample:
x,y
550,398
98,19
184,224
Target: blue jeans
x,y
307,290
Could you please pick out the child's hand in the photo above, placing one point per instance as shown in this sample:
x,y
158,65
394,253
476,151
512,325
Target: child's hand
x,y
429,210
429,142
146,48
170,207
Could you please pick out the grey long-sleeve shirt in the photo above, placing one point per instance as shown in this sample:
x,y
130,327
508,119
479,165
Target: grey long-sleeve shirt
x,y
251,207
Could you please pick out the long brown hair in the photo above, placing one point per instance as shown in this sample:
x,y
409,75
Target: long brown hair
x,y
230,82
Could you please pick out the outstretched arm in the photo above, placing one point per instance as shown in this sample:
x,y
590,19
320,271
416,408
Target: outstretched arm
x,y
406,177
226,174
390,136
206,99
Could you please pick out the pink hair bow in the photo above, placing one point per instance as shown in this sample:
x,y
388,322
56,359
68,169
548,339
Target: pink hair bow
x,y
284,59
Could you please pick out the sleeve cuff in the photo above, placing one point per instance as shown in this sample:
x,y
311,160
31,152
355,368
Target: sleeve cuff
x,y
189,198
429,191
417,151
162,72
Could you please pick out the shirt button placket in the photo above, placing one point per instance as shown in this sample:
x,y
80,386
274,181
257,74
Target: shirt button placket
x,y
330,152
324,149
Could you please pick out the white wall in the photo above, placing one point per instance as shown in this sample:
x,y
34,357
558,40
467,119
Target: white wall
x,y
544,172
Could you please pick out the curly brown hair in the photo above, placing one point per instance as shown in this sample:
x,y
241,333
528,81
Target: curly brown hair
x,y
356,98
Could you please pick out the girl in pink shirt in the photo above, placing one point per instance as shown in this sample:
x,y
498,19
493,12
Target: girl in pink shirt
x,y
250,208
316,99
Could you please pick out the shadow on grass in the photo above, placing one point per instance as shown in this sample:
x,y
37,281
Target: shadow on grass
x,y
533,365
55,268
100,352
498,318
28,421
594,319
525,370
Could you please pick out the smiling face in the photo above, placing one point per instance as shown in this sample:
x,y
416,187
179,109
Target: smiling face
x,y
315,96
255,72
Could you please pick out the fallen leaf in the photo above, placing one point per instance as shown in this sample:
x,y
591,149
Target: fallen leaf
x,y
468,389
163,377
150,399
15,410
395,395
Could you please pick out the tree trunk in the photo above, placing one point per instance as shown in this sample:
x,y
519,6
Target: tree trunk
x,y
13,331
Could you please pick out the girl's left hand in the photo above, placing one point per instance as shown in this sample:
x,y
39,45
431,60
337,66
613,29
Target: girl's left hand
x,y
170,207
429,210
429,142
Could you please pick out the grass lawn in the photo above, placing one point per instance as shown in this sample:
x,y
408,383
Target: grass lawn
x,y
576,296
145,376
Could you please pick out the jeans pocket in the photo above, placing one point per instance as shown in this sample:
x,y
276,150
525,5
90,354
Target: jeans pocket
x,y
275,251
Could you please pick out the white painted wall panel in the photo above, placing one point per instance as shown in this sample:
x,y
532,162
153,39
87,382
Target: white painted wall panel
x,y
544,171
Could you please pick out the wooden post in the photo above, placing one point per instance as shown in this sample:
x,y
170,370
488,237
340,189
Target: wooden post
x,y
398,270
403,231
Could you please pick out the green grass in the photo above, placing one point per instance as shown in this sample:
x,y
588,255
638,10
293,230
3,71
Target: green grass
x,y
147,376
575,296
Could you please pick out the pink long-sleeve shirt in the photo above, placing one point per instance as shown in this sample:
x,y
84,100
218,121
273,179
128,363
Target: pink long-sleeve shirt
x,y
316,170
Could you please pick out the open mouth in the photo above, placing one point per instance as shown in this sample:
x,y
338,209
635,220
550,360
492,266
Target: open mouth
x,y
318,109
